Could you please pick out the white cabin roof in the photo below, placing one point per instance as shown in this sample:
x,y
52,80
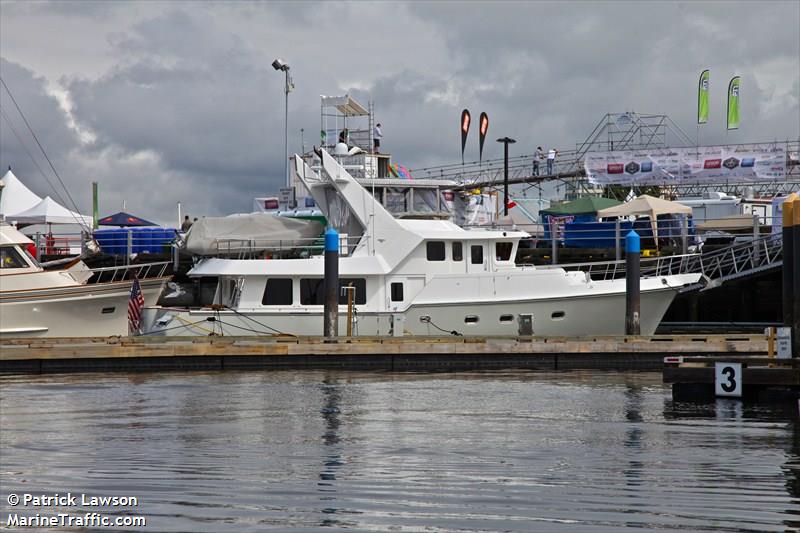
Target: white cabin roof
x,y
445,229
10,235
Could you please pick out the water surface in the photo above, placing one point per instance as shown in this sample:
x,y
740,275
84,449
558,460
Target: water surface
x,y
303,451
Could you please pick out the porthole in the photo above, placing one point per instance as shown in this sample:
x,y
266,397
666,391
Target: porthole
x,y
471,319
108,310
506,318
558,315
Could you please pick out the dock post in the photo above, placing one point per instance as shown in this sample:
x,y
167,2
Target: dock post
x,y
756,235
632,294
685,235
129,247
787,234
331,313
554,237
796,276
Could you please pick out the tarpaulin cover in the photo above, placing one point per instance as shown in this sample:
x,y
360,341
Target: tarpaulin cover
x,y
255,231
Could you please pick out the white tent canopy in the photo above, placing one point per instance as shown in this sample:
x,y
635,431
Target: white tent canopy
x,y
48,211
15,197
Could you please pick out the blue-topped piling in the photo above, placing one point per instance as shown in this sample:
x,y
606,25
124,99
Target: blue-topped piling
x,y
331,313
632,290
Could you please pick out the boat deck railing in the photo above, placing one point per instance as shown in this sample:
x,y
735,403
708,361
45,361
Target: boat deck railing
x,y
126,272
266,248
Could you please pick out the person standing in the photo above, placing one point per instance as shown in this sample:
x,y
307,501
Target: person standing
x,y
551,159
186,224
377,135
538,157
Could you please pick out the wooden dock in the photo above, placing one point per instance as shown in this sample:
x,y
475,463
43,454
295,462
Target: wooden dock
x,y
373,353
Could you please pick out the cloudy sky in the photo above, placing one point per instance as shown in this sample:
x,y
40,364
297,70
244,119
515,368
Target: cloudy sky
x,y
162,102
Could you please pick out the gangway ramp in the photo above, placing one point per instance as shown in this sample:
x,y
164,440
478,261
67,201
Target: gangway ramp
x,y
717,267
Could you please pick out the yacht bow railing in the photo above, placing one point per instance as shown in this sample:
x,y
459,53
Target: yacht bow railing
x,y
126,272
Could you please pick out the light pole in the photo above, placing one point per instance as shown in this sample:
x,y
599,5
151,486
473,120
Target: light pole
x,y
506,141
280,64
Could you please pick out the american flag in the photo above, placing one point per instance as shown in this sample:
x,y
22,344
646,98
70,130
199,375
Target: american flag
x,y
135,305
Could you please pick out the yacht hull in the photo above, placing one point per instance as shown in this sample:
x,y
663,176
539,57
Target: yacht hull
x,y
602,314
94,310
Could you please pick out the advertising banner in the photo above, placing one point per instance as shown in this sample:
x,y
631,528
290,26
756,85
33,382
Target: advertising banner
x,y
733,103
704,164
484,127
465,120
702,98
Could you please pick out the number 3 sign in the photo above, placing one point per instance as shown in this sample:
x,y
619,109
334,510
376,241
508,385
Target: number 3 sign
x,y
728,379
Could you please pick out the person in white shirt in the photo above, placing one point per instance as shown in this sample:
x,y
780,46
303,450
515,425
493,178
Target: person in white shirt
x,y
377,135
538,157
551,158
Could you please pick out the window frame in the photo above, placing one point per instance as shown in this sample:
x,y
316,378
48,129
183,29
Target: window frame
x,y
460,257
472,249
319,291
394,285
429,248
497,246
13,255
267,291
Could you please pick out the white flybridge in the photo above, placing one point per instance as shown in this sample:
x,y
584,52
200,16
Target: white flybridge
x,y
417,277
73,302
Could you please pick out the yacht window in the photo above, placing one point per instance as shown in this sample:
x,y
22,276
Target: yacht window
x,y
312,291
471,319
278,292
476,251
397,292
506,318
11,258
435,250
558,315
458,252
503,250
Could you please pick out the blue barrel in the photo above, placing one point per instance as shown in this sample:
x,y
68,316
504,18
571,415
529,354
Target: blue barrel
x,y
104,240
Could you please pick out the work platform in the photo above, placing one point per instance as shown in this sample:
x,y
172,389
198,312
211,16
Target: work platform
x,y
372,353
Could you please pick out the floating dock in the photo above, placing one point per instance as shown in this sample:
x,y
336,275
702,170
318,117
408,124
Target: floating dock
x,y
53,355
751,378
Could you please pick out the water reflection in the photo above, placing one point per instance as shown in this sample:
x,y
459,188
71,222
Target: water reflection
x,y
332,459
499,451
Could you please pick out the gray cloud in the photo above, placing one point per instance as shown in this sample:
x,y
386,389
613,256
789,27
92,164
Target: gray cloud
x,y
181,100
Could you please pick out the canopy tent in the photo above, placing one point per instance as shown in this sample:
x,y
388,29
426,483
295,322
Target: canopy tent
x,y
15,196
646,205
124,220
255,231
48,211
582,206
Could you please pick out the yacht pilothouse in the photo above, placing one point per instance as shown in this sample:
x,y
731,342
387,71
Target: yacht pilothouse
x,y
410,277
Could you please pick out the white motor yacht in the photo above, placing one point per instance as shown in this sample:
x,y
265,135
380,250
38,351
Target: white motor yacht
x,y
412,277
75,301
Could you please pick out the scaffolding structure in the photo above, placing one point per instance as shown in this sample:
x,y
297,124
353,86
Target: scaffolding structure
x,y
343,118
624,131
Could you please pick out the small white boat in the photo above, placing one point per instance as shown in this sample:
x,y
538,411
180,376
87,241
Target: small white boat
x,y
417,277
72,302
